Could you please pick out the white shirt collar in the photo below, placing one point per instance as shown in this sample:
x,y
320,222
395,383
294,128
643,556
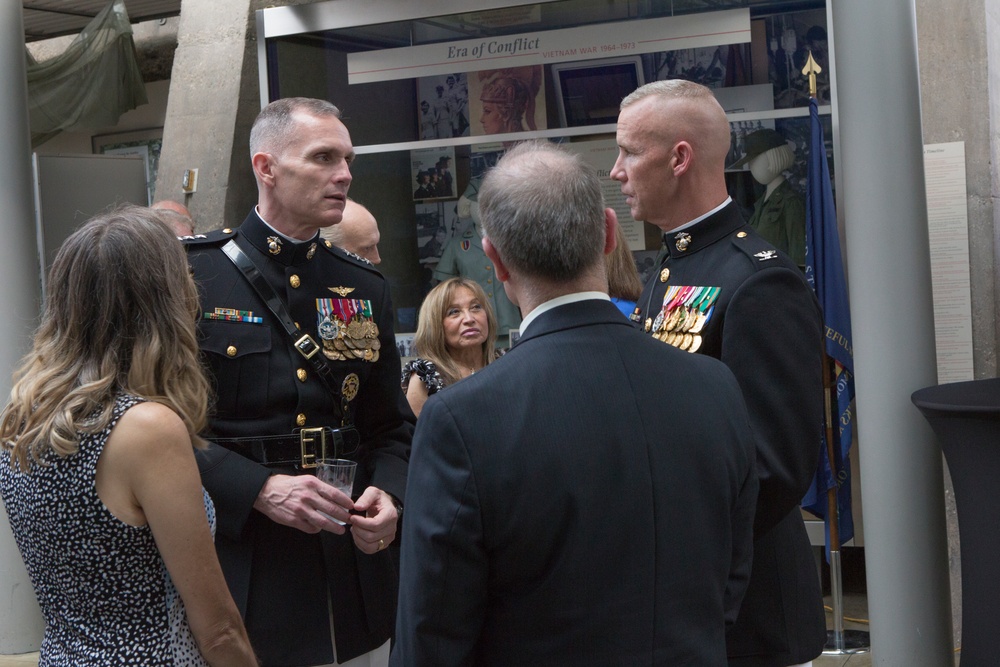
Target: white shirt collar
x,y
700,217
284,236
560,301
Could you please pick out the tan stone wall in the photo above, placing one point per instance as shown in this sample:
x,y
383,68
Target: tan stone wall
x,y
959,58
214,97
956,106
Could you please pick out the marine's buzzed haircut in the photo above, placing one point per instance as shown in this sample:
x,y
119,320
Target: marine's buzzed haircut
x,y
275,121
698,112
542,209
672,88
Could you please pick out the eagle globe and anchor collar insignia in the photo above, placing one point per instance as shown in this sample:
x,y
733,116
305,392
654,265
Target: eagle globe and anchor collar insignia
x,y
274,245
683,241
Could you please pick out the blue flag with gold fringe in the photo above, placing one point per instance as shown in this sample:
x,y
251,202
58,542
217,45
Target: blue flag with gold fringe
x,y
825,272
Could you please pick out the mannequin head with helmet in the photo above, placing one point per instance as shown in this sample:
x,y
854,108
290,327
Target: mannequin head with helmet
x,y
768,156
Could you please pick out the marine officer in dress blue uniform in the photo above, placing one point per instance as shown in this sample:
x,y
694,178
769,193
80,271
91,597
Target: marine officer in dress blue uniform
x,y
722,290
311,590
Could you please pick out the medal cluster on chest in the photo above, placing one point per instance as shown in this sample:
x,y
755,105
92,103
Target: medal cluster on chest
x,y
685,311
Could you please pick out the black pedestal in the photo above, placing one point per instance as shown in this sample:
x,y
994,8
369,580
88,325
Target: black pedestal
x,y
966,418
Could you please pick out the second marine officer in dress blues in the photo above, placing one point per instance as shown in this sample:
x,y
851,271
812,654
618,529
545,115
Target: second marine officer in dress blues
x,y
312,591
725,292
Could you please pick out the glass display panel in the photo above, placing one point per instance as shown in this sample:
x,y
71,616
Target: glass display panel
x,y
432,102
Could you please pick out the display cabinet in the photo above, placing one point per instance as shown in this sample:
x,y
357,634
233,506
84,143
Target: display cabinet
x,y
434,92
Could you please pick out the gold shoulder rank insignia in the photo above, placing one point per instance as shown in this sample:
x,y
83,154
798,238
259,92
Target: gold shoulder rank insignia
x,y
342,291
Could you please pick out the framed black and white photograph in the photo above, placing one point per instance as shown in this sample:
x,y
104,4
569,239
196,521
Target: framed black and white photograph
x,y
404,344
436,223
433,173
443,106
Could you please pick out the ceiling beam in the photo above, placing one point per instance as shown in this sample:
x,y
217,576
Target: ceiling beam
x,y
62,12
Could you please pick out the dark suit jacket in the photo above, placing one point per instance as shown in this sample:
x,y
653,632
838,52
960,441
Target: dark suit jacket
x,y
586,499
766,326
281,577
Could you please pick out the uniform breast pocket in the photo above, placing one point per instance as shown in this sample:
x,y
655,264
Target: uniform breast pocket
x,y
238,355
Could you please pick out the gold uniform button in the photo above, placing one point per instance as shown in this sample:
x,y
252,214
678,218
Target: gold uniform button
x,y
227,230
301,374
664,275
231,350
328,244
741,235
294,281
300,419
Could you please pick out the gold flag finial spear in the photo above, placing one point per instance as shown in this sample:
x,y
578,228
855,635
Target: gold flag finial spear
x,y
811,69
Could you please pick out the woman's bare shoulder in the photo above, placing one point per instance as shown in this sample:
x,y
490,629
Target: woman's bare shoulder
x,y
151,425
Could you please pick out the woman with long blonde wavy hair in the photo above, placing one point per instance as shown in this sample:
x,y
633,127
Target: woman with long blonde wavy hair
x,y
456,336
97,471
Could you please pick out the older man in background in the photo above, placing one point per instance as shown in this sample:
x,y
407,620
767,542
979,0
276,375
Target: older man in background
x,y
356,233
176,215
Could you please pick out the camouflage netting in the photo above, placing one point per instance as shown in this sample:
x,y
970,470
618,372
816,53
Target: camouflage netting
x,y
89,85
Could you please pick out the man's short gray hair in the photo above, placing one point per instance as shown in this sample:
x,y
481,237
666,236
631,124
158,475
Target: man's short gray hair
x,y
668,88
275,122
542,209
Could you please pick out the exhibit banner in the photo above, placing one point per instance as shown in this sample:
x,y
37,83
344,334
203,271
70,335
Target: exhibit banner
x,y
601,155
552,46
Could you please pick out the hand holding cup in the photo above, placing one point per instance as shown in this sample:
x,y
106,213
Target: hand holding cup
x,y
338,473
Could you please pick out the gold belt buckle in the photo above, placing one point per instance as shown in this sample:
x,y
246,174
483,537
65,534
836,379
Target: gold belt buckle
x,y
307,437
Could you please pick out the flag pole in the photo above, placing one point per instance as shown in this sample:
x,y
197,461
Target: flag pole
x,y
835,639
839,641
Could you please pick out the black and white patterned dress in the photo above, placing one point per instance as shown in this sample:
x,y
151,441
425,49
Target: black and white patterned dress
x,y
427,372
104,590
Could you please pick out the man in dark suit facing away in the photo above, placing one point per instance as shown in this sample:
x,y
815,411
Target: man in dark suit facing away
x,y
587,499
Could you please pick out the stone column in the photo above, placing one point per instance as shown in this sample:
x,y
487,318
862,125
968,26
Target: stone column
x,y
21,623
214,98
888,263
208,75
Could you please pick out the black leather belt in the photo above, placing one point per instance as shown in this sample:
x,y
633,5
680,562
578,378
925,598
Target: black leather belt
x,y
302,449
